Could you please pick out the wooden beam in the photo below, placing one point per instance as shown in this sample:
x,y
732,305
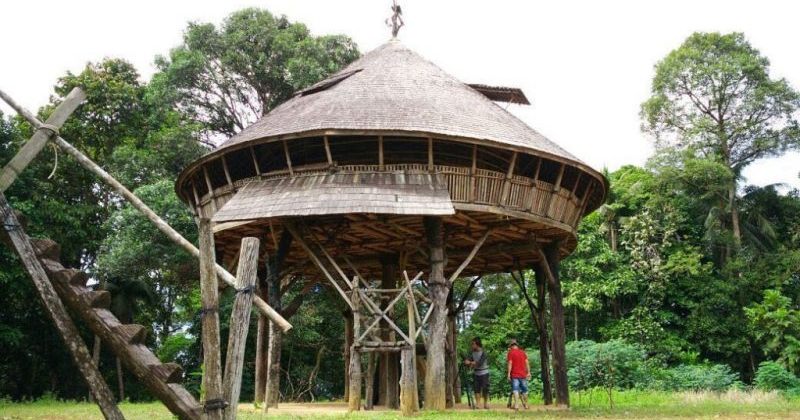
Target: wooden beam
x,y
380,153
469,258
239,324
328,150
43,133
293,230
255,160
212,365
58,313
430,154
163,226
226,170
288,157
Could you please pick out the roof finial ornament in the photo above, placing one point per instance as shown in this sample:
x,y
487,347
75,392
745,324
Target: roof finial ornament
x,y
396,19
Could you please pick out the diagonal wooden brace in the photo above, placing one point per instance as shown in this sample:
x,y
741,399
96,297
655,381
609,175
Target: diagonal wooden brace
x,y
38,141
382,314
138,204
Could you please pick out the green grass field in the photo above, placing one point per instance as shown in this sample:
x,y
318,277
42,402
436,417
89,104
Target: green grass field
x,y
628,404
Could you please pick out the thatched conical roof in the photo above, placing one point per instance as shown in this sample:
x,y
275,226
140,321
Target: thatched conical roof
x,y
392,88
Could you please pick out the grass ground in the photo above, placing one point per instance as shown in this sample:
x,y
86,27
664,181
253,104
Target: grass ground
x,y
628,404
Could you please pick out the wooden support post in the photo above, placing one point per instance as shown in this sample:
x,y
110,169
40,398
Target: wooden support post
x,y
451,355
544,341
272,393
288,157
409,393
240,323
138,204
408,384
262,340
348,343
354,403
369,381
430,154
549,262
212,365
38,141
437,291
380,153
255,161
58,313
328,150
389,381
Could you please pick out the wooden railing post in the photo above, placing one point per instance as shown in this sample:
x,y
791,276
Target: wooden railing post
x,y
240,322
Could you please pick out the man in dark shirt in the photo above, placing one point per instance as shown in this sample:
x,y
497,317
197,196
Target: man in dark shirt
x,y
519,373
480,365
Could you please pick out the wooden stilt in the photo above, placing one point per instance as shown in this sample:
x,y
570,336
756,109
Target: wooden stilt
x,y
408,385
544,342
272,392
369,381
354,403
58,313
549,261
239,323
437,291
212,367
348,342
262,343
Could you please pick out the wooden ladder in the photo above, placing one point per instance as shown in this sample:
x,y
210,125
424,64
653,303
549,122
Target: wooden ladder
x,y
126,341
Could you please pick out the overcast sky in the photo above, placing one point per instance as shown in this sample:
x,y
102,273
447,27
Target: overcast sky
x,y
586,66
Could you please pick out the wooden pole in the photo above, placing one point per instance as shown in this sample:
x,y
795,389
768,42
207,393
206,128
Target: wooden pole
x,y
274,268
544,341
354,403
239,323
549,261
408,385
369,382
58,313
437,291
212,365
348,342
38,141
138,204
262,340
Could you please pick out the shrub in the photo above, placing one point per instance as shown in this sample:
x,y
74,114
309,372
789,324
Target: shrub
x,y
613,364
699,378
773,376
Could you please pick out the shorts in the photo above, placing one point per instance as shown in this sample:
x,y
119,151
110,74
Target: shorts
x,y
519,385
481,384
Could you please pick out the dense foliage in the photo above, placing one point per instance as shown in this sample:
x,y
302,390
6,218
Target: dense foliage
x,y
685,279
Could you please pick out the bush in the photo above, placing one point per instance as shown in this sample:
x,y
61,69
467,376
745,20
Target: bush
x,y
773,376
613,364
698,378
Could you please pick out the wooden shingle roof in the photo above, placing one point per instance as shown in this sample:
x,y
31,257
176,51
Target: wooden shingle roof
x,y
392,88
340,193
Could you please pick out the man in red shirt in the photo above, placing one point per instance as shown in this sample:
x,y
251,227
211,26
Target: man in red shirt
x,y
519,373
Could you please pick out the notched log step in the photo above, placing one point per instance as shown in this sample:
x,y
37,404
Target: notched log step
x,y
170,373
131,333
72,276
46,249
98,298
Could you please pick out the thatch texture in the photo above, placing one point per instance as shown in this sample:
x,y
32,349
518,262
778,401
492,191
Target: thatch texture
x,y
394,89
398,192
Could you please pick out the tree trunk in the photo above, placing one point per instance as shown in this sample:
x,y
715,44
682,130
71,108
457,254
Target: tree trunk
x,y
120,381
544,341
408,385
559,334
354,400
735,223
437,292
272,393
575,319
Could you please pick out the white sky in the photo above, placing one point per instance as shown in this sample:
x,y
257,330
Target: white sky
x,y
585,65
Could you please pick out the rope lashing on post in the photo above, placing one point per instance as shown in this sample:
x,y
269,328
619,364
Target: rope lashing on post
x,y
215,404
51,128
8,227
246,290
55,161
205,311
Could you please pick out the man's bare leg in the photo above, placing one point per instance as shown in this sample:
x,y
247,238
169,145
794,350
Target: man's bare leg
x,y
514,400
525,401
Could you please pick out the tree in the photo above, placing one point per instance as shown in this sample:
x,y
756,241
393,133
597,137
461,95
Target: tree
x,y
714,96
228,77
